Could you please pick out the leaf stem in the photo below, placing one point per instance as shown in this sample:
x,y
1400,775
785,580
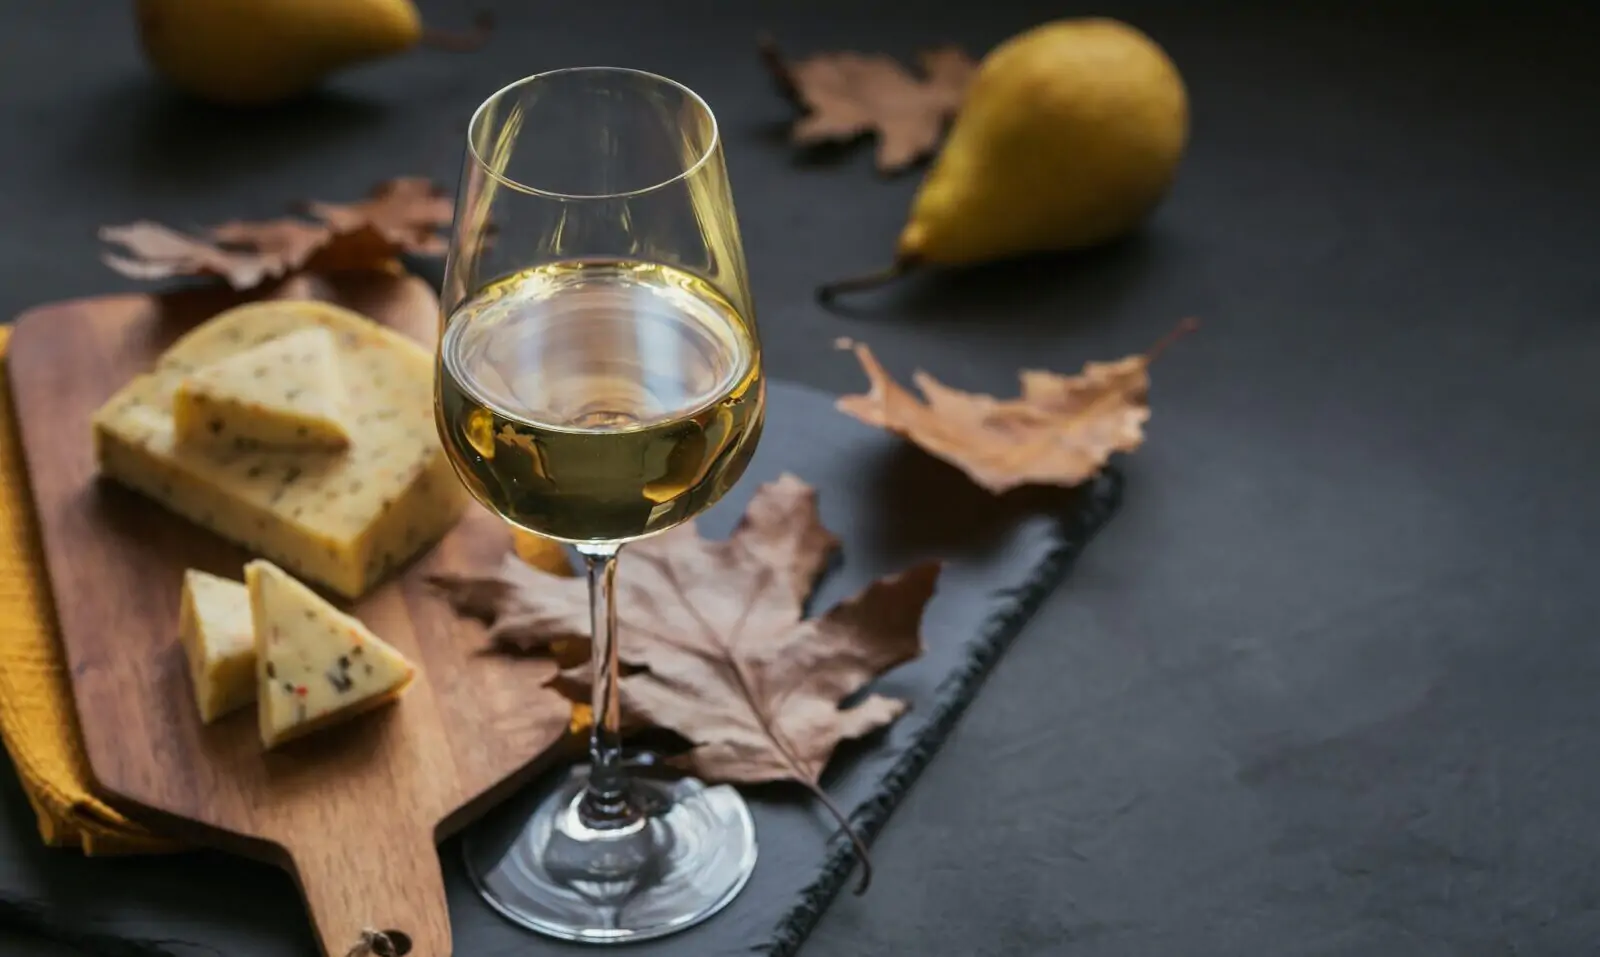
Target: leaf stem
x,y
850,832
460,41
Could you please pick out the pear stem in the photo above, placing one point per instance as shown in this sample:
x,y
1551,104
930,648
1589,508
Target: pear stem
x,y
1183,328
460,41
829,290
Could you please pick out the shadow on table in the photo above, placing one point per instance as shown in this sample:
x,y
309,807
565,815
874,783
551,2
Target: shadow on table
x,y
58,895
1081,287
142,132
927,507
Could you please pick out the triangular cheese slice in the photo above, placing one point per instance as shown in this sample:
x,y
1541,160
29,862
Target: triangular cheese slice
x,y
217,634
315,665
286,393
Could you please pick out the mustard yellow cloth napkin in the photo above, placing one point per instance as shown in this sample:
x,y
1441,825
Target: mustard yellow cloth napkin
x,y
37,718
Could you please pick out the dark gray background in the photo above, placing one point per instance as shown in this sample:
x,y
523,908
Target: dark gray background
x,y
1327,685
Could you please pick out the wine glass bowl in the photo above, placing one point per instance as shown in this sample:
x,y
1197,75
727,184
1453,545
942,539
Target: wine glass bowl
x,y
599,400
598,380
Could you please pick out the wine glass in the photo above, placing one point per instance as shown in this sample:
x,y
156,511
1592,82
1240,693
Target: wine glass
x,y
599,380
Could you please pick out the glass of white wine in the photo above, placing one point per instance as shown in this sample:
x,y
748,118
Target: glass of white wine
x,y
599,380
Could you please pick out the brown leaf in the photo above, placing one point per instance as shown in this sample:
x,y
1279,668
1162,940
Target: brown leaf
x,y
402,216
408,211
728,660
288,241
1061,431
156,252
847,95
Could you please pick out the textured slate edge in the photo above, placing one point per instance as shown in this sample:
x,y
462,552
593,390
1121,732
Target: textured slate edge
x,y
1100,501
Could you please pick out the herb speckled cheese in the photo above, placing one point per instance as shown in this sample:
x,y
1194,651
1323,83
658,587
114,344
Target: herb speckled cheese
x,y
316,665
342,519
288,392
217,634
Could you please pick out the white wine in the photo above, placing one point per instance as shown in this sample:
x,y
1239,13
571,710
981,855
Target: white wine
x,y
599,401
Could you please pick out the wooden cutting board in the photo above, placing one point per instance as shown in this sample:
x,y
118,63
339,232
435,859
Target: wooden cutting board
x,y
353,813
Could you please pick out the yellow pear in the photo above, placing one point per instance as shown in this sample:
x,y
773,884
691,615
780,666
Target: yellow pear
x,y
1070,133
249,52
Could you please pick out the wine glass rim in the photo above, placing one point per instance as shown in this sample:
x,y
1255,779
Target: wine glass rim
x,y
688,171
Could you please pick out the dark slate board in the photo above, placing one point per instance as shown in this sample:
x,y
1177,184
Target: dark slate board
x,y
892,506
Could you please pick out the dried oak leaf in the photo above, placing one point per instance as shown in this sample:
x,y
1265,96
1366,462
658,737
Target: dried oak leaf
x,y
401,216
1061,431
847,95
716,629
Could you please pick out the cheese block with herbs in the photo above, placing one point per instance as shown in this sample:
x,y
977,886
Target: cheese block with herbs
x,y
287,392
343,519
218,636
315,665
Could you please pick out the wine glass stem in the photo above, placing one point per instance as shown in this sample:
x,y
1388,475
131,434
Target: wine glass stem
x,y
607,803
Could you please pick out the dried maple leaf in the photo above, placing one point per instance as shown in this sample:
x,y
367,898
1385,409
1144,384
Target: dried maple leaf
x,y
716,628
401,216
1061,431
847,95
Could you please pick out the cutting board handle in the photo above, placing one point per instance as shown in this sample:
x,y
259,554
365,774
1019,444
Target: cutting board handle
x,y
390,883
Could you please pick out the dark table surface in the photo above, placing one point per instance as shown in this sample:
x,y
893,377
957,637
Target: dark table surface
x,y
1328,683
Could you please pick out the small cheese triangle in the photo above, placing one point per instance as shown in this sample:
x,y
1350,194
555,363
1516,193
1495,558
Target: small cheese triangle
x,y
286,392
218,636
315,665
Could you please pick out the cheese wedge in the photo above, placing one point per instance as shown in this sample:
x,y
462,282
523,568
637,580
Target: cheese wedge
x,y
341,519
316,666
287,392
217,634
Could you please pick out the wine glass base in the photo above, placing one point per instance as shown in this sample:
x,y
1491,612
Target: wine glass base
x,y
668,872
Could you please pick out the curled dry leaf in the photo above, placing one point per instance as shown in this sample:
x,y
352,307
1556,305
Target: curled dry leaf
x,y
156,252
847,95
400,216
717,633
1061,431
407,211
